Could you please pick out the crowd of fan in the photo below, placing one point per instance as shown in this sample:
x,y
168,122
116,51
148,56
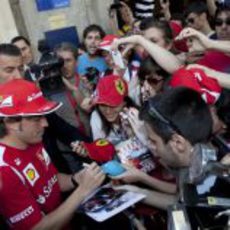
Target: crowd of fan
x,y
160,82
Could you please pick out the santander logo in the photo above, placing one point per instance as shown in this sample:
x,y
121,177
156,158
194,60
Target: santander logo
x,y
34,96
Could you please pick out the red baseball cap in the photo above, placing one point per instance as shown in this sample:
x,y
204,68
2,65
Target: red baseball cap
x,y
107,42
100,150
197,80
176,29
23,98
111,90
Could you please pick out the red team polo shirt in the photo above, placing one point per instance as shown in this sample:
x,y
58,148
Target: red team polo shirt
x,y
216,60
28,185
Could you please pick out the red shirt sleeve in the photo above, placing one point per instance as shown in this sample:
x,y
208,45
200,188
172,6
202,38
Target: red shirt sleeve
x,y
18,206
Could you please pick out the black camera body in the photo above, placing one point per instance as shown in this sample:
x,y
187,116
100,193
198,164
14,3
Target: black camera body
x,y
50,71
92,74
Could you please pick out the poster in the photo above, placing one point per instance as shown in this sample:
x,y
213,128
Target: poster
x,y
57,21
43,5
107,202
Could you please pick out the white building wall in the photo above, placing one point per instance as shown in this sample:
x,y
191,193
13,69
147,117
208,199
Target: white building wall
x,y
81,13
8,27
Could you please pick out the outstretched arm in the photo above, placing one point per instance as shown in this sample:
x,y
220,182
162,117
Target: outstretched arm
x,y
133,175
204,41
211,7
153,198
222,78
88,180
167,60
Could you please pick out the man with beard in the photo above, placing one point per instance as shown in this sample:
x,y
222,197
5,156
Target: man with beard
x,y
92,36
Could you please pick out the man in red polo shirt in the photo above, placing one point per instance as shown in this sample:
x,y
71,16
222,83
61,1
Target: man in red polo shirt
x,y
30,192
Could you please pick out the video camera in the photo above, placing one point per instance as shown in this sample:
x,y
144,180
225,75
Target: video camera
x,y
92,74
49,71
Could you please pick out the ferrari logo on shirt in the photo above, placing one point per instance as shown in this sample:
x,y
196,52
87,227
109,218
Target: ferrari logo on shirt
x,y
120,86
31,174
102,142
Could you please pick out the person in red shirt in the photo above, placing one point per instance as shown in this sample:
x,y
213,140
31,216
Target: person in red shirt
x,y
30,192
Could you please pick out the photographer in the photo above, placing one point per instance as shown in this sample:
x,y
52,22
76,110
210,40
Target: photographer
x,y
59,82
11,67
76,86
87,88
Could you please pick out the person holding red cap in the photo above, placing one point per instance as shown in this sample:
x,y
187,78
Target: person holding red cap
x,y
157,41
100,150
30,193
116,60
115,65
110,121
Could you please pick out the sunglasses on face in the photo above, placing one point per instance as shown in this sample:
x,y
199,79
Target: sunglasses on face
x,y
153,81
150,81
190,20
220,22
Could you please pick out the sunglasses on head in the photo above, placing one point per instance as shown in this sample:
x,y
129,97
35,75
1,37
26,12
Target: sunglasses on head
x,y
154,113
220,22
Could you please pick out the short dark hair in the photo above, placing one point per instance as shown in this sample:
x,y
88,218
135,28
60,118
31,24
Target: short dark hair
x,y
66,46
221,8
93,28
18,38
3,129
106,125
164,26
149,66
197,7
186,112
9,50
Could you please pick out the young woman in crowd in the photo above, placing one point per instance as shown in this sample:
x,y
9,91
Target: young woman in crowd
x,y
152,79
116,120
111,99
